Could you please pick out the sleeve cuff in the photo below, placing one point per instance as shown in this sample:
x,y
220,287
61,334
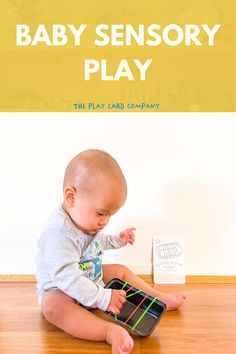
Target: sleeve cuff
x,y
104,298
117,241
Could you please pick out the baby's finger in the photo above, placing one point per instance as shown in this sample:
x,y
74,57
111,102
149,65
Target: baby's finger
x,y
115,310
120,304
122,293
132,239
132,235
122,300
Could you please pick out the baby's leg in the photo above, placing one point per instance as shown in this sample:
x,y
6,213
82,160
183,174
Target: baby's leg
x,y
111,271
65,313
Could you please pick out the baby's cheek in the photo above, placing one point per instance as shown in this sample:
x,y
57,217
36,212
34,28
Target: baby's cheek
x,y
94,221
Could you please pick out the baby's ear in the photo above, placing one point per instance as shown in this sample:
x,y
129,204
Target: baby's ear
x,y
69,195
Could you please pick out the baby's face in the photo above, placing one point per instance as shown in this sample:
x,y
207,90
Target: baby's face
x,y
92,210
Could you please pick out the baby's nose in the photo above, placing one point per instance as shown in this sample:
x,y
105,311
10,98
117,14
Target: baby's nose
x,y
103,221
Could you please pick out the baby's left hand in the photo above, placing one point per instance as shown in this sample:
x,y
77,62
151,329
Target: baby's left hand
x,y
127,236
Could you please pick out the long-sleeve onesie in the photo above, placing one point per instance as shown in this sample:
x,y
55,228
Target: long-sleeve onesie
x,y
71,261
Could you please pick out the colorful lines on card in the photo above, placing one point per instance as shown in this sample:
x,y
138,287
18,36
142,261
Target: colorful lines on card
x,y
138,306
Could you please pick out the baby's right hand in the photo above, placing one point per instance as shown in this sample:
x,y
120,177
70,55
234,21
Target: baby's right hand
x,y
117,301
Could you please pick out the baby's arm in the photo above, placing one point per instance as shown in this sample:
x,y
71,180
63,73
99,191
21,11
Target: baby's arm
x,y
109,241
61,258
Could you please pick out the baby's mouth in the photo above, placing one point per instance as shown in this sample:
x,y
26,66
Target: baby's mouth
x,y
97,230
93,232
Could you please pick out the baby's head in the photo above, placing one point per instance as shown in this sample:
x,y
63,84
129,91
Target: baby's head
x,y
94,189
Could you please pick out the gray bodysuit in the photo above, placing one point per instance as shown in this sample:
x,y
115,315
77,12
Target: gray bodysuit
x,y
71,261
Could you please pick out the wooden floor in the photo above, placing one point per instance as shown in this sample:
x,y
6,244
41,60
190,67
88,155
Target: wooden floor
x,y
205,324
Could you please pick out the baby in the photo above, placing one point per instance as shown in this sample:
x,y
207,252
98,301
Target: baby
x,y
70,274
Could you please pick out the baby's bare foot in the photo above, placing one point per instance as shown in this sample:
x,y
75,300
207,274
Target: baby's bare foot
x,y
173,302
120,340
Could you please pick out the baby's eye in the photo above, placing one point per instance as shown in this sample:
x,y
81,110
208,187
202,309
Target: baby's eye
x,y
99,214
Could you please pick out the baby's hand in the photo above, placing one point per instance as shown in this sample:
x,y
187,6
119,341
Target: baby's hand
x,y
127,236
117,301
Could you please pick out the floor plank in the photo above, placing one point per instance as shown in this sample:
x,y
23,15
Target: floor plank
x,y
205,324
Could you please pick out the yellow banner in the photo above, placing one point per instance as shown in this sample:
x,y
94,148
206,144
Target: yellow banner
x,y
123,56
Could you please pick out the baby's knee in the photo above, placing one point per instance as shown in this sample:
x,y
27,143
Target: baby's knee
x,y
48,305
52,303
123,267
121,270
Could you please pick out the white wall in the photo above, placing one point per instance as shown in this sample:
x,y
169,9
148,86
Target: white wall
x,y
181,173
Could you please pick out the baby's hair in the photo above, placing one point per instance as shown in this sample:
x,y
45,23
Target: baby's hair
x,y
85,168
